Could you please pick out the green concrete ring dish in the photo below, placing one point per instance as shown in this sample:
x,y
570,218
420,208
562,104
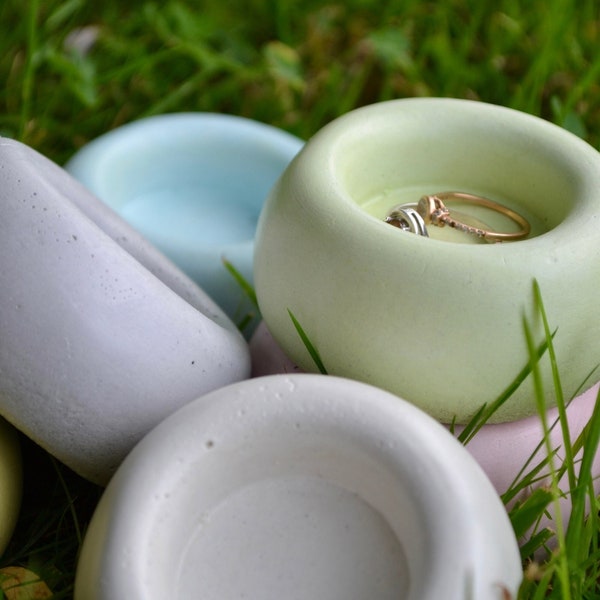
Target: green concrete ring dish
x,y
433,320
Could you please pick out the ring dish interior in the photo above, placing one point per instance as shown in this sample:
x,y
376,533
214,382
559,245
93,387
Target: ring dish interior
x,y
507,165
202,175
322,509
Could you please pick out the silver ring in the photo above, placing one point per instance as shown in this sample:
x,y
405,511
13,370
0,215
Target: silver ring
x,y
405,217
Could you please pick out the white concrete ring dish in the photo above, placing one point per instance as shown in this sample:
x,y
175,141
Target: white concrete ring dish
x,y
11,481
436,322
102,336
302,487
501,449
194,185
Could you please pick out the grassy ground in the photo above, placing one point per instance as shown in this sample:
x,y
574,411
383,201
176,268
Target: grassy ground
x,y
72,70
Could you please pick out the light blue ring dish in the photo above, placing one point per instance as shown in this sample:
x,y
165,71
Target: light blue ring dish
x,y
193,184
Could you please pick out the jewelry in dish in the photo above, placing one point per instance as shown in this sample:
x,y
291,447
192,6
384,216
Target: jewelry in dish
x,y
434,211
431,209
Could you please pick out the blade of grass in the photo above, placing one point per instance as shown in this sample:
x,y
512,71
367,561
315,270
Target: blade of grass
x,y
473,426
527,478
486,411
579,493
314,354
244,322
560,399
583,385
562,566
537,541
525,514
242,282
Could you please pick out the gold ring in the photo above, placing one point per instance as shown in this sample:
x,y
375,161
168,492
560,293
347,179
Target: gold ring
x,y
434,211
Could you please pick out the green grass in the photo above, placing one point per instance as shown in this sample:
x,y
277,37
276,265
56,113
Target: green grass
x,y
568,573
298,66
311,349
295,65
